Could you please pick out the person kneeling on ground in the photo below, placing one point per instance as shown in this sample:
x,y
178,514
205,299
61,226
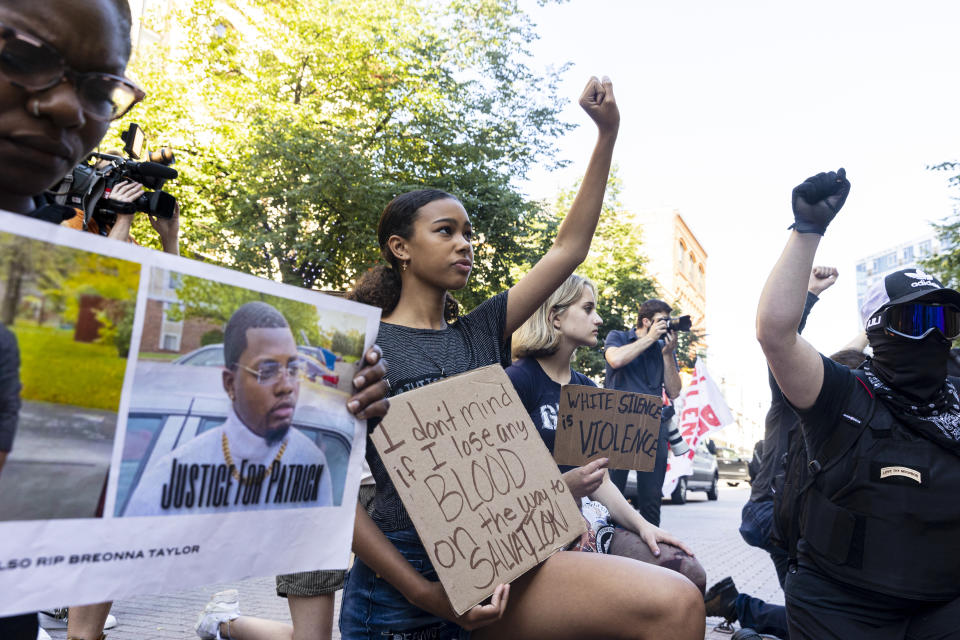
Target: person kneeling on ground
x,y
545,346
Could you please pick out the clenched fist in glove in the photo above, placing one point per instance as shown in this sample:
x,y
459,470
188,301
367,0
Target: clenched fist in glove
x,y
818,199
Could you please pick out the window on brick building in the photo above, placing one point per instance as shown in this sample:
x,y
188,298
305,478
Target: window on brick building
x,y
171,342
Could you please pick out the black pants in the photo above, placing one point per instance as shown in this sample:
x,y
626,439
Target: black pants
x,y
24,627
819,608
650,483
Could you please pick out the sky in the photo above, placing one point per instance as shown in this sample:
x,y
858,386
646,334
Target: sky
x,y
725,107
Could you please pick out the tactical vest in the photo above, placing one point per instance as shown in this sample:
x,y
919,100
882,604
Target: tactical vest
x,y
882,507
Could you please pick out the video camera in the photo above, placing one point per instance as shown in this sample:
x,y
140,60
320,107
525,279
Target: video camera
x,y
84,188
681,323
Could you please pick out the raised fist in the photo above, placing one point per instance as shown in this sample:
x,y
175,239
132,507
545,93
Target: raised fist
x,y
821,279
818,199
598,101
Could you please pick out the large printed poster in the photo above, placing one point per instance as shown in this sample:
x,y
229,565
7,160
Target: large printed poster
x,y
172,423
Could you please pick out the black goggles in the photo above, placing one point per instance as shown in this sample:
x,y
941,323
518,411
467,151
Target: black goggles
x,y
917,320
32,64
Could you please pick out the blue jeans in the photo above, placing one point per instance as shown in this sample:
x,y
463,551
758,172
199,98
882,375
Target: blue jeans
x,y
755,527
762,617
373,610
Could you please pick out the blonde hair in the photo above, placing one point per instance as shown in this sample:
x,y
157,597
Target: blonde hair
x,y
537,337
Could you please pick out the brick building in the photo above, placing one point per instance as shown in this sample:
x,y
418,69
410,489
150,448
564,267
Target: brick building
x,y
162,334
678,263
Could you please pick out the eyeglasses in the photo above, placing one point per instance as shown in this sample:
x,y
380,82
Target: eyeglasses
x,y
916,321
32,64
269,371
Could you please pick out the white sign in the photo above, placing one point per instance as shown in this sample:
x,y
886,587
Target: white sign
x,y
701,409
140,463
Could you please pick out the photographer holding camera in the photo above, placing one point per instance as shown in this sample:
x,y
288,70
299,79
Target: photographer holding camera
x,y
168,229
643,360
107,190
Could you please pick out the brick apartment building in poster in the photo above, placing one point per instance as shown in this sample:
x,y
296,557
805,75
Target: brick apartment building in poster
x,y
161,334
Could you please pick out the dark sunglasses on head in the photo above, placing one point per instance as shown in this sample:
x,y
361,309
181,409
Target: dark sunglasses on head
x,y
32,64
917,320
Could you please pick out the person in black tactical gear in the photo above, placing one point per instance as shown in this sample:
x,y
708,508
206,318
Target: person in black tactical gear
x,y
878,555
723,599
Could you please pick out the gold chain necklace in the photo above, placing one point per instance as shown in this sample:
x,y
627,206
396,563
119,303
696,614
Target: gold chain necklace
x,y
233,468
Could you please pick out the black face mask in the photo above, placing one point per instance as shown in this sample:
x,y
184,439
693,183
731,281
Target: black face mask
x,y
917,368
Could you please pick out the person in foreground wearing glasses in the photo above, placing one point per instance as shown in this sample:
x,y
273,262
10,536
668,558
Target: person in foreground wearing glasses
x,y
59,90
256,445
880,520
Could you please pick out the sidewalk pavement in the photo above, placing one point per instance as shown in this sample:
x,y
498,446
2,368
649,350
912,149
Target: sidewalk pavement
x,y
710,528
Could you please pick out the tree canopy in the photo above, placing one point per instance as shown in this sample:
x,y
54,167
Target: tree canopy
x,y
216,301
295,122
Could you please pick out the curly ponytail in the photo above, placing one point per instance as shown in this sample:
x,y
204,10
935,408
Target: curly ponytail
x,y
380,285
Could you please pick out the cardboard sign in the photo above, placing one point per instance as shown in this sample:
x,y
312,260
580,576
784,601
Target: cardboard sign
x,y
478,482
604,423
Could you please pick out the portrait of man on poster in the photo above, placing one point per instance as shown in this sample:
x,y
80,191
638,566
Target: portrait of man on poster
x,y
254,460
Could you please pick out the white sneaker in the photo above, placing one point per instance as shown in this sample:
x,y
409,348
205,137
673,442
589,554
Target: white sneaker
x,y
53,619
57,619
223,606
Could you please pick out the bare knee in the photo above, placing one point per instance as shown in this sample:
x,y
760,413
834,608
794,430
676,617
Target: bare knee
x,y
687,615
680,613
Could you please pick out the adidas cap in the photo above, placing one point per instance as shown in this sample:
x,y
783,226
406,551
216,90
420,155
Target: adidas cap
x,y
905,285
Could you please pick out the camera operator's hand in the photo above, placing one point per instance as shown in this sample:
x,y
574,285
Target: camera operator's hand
x,y
169,230
818,199
657,330
126,191
821,279
669,342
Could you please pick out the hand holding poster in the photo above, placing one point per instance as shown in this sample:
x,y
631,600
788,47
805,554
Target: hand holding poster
x,y
604,423
140,462
701,409
479,484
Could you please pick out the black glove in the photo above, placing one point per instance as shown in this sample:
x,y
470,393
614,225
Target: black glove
x,y
817,200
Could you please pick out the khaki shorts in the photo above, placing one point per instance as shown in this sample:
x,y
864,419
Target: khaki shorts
x,y
319,583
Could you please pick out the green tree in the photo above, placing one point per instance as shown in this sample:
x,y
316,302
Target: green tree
x,y
114,280
216,301
297,121
946,263
615,264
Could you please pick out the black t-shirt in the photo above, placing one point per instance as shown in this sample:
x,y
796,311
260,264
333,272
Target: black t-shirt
x,y
540,395
417,357
822,418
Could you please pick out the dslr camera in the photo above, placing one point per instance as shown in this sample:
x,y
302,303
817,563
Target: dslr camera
x,y
680,323
84,187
